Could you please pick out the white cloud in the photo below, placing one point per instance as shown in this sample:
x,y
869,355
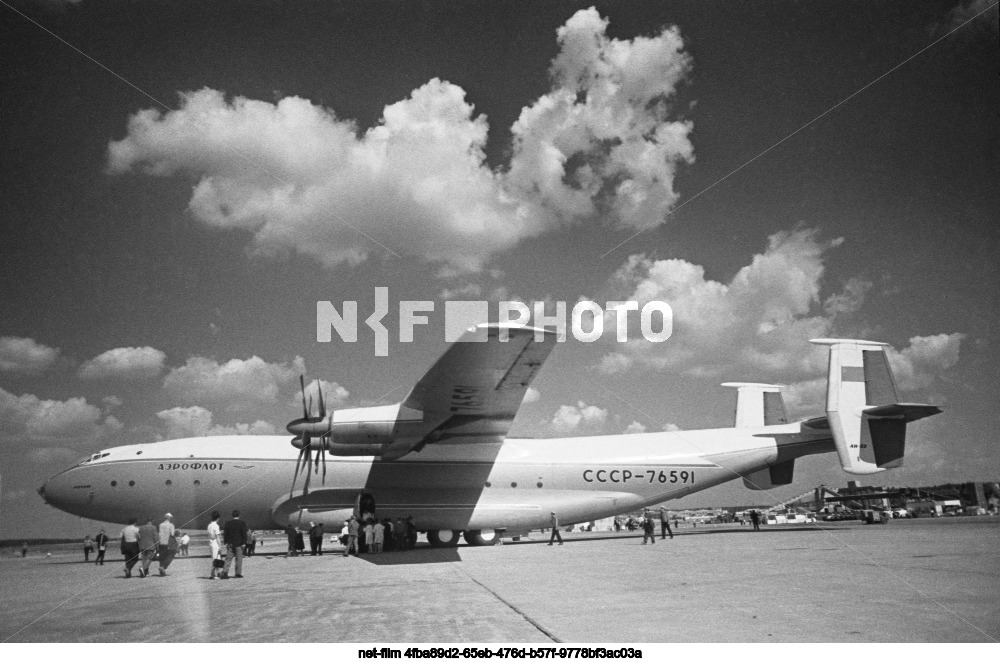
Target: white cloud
x,y
599,145
582,417
916,366
531,395
124,363
30,417
236,384
24,355
181,422
635,427
757,323
672,427
334,395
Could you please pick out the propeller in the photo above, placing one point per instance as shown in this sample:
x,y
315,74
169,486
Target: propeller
x,y
305,430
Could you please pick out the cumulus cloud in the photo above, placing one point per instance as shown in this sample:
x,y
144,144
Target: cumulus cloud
x,y
124,363
181,422
334,395
28,416
916,366
236,384
758,322
600,145
635,427
581,417
25,356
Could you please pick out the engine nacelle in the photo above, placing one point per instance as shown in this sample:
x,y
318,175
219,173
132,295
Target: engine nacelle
x,y
351,438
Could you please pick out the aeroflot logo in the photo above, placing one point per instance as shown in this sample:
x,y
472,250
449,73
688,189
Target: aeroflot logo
x,y
586,319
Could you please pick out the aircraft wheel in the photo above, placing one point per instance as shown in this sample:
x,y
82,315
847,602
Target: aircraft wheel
x,y
442,538
482,537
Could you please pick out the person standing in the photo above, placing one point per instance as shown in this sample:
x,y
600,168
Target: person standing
x,y
554,521
411,533
215,542
755,520
316,539
369,537
184,542
24,549
234,534
102,547
88,547
292,536
378,536
399,534
148,538
665,525
130,546
352,536
252,544
167,543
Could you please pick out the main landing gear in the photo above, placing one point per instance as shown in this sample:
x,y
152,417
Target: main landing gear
x,y
477,538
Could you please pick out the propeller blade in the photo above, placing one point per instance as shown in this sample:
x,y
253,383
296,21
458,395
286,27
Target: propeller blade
x,y
298,465
302,383
309,415
324,460
322,405
308,455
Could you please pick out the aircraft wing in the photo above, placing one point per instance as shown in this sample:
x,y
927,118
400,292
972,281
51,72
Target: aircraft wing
x,y
472,393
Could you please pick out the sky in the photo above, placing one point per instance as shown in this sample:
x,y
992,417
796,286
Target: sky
x,y
181,183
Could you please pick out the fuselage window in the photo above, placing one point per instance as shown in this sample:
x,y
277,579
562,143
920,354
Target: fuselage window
x,y
197,482
114,483
539,483
513,484
170,482
488,484
131,483
225,482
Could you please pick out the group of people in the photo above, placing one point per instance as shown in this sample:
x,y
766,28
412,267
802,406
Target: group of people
x,y
144,544
234,537
371,535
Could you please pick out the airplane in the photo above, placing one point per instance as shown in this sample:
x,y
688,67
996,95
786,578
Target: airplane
x,y
442,455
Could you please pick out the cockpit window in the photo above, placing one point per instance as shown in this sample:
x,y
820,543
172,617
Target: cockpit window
x,y
95,456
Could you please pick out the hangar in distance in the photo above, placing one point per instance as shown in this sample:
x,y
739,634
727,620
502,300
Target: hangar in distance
x,y
442,455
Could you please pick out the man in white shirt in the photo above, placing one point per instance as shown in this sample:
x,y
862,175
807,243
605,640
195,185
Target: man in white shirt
x,y
166,534
130,546
215,541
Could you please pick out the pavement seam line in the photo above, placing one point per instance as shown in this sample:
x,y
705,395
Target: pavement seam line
x,y
511,606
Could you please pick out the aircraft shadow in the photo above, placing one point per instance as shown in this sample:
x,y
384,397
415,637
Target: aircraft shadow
x,y
418,556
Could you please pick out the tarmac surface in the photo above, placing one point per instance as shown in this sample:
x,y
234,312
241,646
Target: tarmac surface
x,y
926,580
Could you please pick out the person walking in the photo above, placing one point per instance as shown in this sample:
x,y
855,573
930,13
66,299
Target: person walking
x,y
130,545
88,547
102,546
665,524
648,530
215,543
352,536
148,538
555,529
234,535
167,542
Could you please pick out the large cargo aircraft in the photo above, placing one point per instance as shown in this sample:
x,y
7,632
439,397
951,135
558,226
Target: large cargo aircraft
x,y
442,456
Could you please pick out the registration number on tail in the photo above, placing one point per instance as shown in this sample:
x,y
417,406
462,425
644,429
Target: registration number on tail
x,y
662,476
